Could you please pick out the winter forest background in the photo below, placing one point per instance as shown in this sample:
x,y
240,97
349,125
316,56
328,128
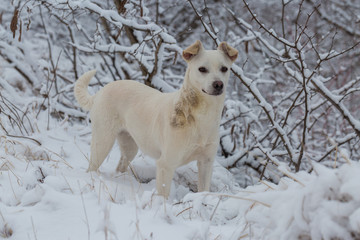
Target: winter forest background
x,y
290,124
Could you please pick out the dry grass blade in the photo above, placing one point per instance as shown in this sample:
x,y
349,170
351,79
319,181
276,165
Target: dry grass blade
x,y
33,227
216,207
220,195
337,150
59,156
184,210
85,212
14,21
5,230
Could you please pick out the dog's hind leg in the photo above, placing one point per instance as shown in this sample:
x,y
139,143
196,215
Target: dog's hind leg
x,y
103,139
128,149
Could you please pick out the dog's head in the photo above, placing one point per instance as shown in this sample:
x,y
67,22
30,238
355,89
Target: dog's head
x,y
209,70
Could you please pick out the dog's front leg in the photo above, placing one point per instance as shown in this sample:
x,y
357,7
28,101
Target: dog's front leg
x,y
164,175
205,168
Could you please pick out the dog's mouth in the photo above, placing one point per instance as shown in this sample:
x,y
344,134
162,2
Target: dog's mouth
x,y
214,92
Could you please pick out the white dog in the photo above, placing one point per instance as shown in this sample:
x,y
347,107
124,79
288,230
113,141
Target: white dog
x,y
174,128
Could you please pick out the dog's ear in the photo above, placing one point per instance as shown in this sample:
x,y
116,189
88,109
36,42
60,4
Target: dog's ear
x,y
231,52
192,51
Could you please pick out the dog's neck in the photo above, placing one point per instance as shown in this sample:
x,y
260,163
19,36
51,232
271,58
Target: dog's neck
x,y
192,104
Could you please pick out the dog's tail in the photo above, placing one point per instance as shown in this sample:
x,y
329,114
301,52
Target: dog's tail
x,y
80,90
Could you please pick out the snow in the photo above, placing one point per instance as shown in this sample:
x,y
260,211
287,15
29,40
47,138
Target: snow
x,y
52,196
45,191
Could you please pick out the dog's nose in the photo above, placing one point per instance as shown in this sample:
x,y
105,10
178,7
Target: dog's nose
x,y
218,85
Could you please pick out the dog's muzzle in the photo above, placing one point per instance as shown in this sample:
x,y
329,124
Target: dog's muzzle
x,y
217,88
218,85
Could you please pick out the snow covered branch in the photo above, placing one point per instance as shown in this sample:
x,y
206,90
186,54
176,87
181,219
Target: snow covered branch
x,y
295,58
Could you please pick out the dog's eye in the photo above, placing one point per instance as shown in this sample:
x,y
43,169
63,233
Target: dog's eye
x,y
223,69
203,70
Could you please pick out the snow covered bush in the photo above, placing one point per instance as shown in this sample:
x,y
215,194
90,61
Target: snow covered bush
x,y
294,100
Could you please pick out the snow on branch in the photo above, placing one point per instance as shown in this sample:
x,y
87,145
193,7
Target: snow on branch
x,y
335,101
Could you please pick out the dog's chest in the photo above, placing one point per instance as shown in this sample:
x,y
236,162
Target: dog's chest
x,y
204,132
200,144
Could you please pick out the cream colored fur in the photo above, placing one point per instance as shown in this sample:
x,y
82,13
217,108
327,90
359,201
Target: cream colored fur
x,y
174,128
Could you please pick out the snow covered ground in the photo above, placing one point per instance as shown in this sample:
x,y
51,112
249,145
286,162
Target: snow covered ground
x,y
45,193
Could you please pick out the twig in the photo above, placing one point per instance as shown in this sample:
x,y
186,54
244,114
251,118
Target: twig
x,y
206,27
